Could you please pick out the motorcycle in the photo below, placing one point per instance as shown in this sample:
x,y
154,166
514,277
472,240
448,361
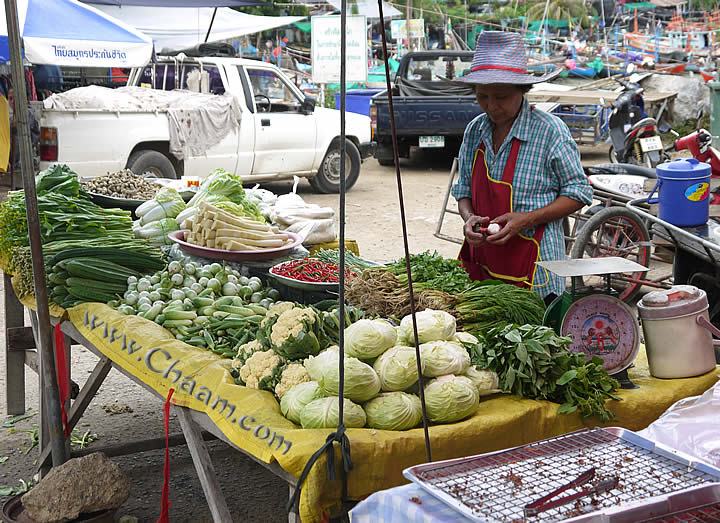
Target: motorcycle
x,y
634,135
699,144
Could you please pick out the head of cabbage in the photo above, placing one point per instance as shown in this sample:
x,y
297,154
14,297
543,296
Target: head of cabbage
x,y
432,326
450,398
444,357
361,381
295,399
323,413
394,411
397,368
466,338
486,381
367,339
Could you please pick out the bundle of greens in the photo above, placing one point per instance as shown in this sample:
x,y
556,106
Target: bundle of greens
x,y
431,271
533,362
488,304
68,220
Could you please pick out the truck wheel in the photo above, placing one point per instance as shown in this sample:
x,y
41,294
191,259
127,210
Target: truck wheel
x,y
151,164
327,179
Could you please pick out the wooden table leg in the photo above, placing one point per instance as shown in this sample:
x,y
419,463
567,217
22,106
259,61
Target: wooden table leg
x,y
204,467
14,360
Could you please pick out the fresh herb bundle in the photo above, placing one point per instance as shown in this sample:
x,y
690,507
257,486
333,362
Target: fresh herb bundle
x,y
431,271
533,362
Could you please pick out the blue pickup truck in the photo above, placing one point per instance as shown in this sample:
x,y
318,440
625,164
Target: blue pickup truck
x,y
431,111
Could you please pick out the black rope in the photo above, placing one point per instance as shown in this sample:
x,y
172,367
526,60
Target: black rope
x,y
328,448
339,435
408,270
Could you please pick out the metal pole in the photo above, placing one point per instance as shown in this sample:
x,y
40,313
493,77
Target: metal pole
x,y
212,21
49,376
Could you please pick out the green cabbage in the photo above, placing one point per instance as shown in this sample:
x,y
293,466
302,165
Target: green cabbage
x,y
450,398
444,357
361,381
295,399
432,326
486,381
397,368
466,339
220,185
368,339
394,411
323,414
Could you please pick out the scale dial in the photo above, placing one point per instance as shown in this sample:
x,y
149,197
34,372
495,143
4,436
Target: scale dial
x,y
602,325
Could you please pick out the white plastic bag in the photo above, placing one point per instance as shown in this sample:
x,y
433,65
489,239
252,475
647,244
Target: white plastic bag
x,y
314,231
692,426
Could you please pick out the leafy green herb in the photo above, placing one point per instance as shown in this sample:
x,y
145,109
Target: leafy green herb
x,y
11,421
431,271
533,362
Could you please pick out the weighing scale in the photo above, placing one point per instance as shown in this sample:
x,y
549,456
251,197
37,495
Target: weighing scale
x,y
598,322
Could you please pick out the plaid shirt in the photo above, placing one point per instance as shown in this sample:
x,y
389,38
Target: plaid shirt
x,y
548,166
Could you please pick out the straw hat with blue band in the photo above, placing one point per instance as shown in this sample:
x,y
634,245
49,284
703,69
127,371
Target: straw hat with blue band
x,y
500,58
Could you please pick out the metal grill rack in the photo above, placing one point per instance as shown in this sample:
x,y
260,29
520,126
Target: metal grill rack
x,y
705,514
497,486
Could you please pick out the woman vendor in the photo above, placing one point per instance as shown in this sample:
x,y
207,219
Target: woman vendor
x,y
519,173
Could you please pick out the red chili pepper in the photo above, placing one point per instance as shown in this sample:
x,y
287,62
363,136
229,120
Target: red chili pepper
x,y
311,270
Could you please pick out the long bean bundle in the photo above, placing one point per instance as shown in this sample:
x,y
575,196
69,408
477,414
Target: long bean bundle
x,y
68,220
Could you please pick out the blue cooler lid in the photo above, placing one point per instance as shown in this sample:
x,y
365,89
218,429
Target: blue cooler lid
x,y
683,168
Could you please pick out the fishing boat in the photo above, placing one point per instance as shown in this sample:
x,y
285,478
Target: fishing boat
x,y
661,46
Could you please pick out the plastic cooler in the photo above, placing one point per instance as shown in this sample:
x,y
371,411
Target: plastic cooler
x,y
357,100
683,192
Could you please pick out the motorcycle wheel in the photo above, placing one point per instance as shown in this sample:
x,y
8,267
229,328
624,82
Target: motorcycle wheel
x,y
612,155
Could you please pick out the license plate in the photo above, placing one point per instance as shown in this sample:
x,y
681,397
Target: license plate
x,y
653,143
431,141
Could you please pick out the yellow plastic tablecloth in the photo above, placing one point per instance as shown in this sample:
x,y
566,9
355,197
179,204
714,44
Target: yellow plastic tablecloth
x,y
251,419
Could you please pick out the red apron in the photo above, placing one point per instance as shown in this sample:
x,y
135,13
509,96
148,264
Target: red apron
x,y
513,262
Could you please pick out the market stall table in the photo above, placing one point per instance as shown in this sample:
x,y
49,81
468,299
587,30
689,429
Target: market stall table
x,y
378,456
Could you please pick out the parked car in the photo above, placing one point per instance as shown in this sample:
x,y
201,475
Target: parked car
x,y
281,133
430,110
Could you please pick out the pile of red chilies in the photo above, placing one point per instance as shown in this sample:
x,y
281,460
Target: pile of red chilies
x,y
311,270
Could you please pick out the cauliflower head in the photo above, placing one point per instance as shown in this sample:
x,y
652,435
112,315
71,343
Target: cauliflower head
x,y
275,310
262,370
245,351
293,335
292,374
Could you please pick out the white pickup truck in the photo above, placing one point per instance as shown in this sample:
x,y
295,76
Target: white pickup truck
x,y
280,133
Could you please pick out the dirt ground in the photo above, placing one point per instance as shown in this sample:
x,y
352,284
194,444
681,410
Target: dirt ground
x,y
254,494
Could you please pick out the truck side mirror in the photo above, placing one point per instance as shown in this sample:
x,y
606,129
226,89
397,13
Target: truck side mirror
x,y
308,105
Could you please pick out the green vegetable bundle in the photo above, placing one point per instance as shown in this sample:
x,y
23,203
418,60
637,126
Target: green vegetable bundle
x,y
68,220
533,362
431,271
485,305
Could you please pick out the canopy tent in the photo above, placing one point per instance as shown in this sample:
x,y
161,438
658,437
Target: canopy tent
x,y
178,3
66,32
368,8
175,28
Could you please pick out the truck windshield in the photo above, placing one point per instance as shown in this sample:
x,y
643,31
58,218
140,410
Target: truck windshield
x,y
438,69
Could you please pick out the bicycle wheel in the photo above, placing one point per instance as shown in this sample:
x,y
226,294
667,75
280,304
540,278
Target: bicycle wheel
x,y
614,231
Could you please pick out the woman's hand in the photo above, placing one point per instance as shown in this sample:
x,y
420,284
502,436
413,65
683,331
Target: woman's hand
x,y
471,224
511,224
